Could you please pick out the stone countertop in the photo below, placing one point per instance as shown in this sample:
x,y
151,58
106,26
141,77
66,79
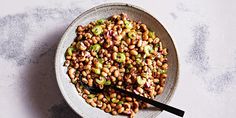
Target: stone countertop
x,y
203,32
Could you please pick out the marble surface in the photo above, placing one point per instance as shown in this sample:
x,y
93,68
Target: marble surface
x,y
202,30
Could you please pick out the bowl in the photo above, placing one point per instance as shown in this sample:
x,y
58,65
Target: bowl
x,y
68,90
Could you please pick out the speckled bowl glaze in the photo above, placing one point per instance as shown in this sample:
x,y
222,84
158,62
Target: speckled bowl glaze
x,y
68,90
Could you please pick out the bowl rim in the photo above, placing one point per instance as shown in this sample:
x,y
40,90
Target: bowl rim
x,y
60,84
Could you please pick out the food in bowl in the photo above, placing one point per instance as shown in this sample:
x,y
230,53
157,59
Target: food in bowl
x,y
121,52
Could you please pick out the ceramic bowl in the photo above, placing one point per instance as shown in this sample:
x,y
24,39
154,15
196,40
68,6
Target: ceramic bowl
x,y
68,90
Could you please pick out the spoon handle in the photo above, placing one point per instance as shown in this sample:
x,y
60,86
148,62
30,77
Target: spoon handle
x,y
153,102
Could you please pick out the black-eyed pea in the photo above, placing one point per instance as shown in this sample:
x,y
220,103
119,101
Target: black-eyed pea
x,y
139,44
120,83
85,96
84,80
107,110
104,105
109,107
156,40
68,57
128,41
93,104
113,95
149,62
120,78
160,46
80,28
163,75
134,41
157,87
143,105
145,37
113,79
136,110
132,114
73,58
156,80
118,106
131,47
84,73
145,68
143,26
76,66
113,105
163,81
120,22
140,90
129,99
90,82
106,70
165,66
120,110
129,81
151,93
121,49
104,74
135,104
127,105
162,59
67,63
133,52
114,112
115,49
116,73
150,40
160,90
82,46
78,88
100,96
86,91
88,35
159,63
127,111
113,68
114,55
123,33
71,73
94,40
164,51
104,100
122,70
99,104
118,96
89,100
93,53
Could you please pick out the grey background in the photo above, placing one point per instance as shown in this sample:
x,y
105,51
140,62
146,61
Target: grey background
x,y
203,32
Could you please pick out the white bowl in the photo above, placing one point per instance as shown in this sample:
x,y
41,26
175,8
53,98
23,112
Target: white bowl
x,y
68,90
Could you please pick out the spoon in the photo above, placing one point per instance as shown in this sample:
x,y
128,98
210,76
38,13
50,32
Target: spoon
x,y
157,104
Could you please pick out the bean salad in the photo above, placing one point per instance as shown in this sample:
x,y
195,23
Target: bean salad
x,y
121,52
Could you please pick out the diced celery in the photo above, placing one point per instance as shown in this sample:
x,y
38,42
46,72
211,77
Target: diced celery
x,y
101,81
95,47
152,35
141,81
70,50
120,57
128,24
108,82
97,71
97,30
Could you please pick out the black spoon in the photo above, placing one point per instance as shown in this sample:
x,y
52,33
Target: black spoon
x,y
157,104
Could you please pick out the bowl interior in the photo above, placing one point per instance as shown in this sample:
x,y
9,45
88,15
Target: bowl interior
x,y
69,91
